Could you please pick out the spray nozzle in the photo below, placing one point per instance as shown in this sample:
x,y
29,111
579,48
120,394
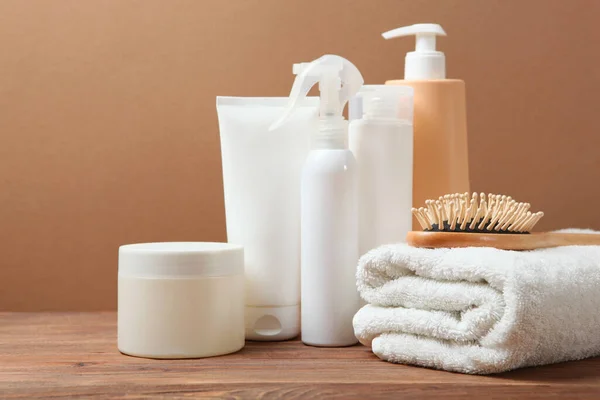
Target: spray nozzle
x,y
425,62
338,80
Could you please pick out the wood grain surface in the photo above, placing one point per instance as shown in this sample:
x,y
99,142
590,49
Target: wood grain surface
x,y
74,355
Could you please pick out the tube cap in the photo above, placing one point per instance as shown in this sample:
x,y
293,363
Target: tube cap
x,y
270,324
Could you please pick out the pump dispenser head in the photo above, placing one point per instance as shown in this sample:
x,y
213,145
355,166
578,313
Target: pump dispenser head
x,y
425,63
338,81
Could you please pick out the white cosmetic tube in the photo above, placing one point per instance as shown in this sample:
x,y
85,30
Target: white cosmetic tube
x,y
261,179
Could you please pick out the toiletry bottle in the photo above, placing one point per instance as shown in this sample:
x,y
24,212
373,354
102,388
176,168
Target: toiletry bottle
x,y
441,162
382,143
261,181
329,209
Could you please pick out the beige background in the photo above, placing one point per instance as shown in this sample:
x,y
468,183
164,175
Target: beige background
x,y
108,128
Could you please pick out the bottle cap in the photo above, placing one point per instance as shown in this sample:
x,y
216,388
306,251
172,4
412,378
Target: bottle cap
x,y
383,102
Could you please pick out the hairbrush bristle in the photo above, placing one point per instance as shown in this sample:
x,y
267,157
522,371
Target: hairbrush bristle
x,y
477,213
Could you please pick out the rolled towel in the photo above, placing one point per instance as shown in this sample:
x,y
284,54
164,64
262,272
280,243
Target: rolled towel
x,y
480,310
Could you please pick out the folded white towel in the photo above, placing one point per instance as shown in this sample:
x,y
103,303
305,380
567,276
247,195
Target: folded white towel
x,y
480,310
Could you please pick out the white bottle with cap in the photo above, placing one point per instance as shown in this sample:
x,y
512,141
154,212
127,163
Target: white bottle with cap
x,y
441,162
329,209
382,143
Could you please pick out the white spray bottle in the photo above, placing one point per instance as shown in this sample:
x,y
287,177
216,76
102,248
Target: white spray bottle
x,y
329,206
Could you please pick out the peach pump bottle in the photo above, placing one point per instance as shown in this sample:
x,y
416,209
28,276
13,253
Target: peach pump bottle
x,y
440,156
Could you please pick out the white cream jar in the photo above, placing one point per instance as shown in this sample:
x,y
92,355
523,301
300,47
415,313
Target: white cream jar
x,y
180,300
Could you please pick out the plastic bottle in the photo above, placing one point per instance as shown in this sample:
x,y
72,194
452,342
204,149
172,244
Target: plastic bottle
x,y
329,210
382,143
441,164
261,175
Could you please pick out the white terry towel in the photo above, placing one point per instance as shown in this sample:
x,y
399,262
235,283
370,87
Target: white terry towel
x,y
480,310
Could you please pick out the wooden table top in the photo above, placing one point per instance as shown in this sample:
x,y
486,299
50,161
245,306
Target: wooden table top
x,y
75,355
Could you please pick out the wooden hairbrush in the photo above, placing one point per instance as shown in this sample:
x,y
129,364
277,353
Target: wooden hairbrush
x,y
457,220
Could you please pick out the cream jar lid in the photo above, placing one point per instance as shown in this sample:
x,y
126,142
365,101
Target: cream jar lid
x,y
180,259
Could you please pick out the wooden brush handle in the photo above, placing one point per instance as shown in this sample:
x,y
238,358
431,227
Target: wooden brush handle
x,y
504,241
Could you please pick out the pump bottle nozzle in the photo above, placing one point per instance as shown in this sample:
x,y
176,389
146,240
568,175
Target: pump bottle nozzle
x,y
425,62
